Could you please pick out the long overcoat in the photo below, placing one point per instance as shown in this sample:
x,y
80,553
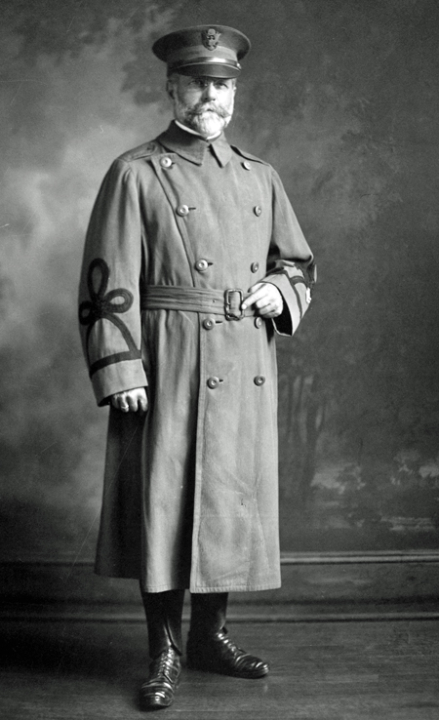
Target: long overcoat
x,y
190,489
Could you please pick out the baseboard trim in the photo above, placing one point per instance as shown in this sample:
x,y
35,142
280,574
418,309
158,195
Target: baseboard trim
x,y
295,615
316,587
329,558
355,558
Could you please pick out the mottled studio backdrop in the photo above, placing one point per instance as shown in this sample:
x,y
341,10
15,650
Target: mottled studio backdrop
x,y
342,97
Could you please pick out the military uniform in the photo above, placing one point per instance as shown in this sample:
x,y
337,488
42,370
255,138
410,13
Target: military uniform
x,y
180,212
182,227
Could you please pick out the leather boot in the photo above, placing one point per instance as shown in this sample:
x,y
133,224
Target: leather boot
x,y
163,617
209,647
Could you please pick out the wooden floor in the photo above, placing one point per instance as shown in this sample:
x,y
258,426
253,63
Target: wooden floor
x,y
320,671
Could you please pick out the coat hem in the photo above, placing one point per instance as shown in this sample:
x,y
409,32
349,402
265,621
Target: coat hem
x,y
194,588
235,588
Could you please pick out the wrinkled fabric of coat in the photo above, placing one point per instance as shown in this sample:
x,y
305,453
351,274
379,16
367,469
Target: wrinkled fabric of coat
x,y
190,489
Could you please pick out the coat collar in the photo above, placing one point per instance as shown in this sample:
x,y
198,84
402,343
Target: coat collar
x,y
193,147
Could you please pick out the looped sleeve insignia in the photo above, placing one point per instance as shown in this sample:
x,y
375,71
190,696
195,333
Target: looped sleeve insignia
x,y
106,306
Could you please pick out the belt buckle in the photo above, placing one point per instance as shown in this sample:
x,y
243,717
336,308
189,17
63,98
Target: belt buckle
x,y
229,311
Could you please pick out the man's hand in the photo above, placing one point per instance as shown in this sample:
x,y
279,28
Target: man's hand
x,y
130,400
267,299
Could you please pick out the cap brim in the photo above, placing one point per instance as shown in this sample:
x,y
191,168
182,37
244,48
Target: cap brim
x,y
207,70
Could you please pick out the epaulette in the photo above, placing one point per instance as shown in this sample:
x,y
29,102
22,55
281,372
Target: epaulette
x,y
142,151
248,156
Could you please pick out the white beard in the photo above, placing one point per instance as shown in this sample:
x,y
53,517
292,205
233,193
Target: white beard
x,y
206,122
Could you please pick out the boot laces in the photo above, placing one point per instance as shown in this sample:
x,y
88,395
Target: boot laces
x,y
161,669
230,647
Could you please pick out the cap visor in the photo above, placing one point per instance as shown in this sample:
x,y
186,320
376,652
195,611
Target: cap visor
x,y
207,70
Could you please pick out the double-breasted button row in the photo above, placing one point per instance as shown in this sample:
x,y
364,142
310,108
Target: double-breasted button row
x,y
184,210
213,382
202,265
209,323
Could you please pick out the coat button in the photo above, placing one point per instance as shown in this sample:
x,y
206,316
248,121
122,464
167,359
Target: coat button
x,y
258,322
259,380
254,267
166,162
246,165
257,210
201,265
182,210
208,324
213,382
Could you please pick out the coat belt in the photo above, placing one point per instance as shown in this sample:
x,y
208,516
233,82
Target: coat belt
x,y
174,297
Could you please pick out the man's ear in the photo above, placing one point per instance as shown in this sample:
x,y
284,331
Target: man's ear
x,y
170,89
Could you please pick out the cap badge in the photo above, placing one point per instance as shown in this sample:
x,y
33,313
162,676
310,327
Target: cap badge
x,y
210,38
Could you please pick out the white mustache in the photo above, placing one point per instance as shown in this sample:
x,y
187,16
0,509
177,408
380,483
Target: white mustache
x,y
200,109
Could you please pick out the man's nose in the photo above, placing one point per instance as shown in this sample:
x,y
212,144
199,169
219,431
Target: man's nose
x,y
209,91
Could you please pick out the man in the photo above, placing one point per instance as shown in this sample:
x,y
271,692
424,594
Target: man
x,y
193,260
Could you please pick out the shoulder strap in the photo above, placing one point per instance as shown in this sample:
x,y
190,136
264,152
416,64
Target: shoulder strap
x,y
248,156
142,151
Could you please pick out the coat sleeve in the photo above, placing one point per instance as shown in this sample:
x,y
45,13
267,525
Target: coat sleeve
x,y
290,263
109,293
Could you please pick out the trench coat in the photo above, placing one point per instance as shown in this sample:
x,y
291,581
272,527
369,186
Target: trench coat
x,y
191,488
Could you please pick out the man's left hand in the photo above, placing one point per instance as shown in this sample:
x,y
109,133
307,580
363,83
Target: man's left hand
x,y
266,298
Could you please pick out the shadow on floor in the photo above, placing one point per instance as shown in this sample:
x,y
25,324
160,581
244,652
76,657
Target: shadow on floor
x,y
72,648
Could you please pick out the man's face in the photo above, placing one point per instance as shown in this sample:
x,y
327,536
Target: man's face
x,y
205,104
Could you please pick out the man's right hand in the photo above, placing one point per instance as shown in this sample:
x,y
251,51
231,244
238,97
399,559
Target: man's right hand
x,y
130,400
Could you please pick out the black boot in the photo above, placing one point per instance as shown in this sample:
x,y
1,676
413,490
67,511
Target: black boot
x,y
209,648
163,617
